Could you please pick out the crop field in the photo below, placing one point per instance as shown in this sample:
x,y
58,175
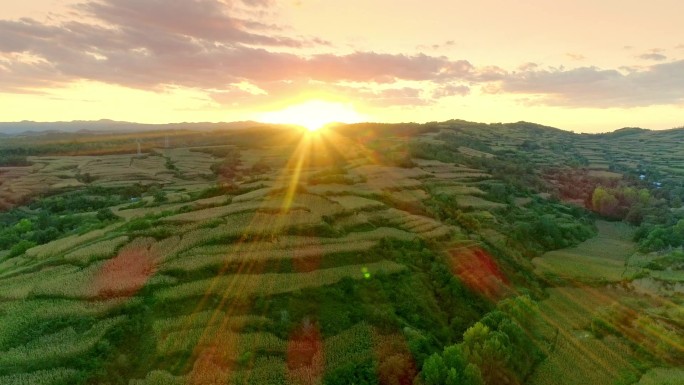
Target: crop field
x,y
60,246
59,345
603,258
223,211
298,243
189,163
97,250
413,196
604,174
232,345
250,255
662,376
355,203
474,153
575,312
245,285
457,190
590,361
473,202
20,316
42,377
200,319
225,258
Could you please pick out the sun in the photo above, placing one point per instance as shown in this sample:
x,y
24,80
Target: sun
x,y
313,114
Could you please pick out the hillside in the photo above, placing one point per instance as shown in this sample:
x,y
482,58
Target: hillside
x,y
438,253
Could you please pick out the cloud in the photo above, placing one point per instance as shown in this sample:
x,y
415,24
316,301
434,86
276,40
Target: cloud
x,y
594,87
446,44
575,56
653,56
258,3
209,20
405,96
450,90
228,49
375,67
155,44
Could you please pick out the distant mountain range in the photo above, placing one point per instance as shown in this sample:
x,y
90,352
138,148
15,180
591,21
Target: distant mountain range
x,y
113,126
108,126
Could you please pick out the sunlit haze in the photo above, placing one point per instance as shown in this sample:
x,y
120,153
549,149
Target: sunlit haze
x,y
313,115
581,65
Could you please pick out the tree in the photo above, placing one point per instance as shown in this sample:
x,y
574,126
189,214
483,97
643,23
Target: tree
x,y
23,226
451,368
679,230
160,196
603,202
105,215
434,370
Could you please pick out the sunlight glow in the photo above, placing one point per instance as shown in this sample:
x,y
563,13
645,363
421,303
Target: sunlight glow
x,y
313,114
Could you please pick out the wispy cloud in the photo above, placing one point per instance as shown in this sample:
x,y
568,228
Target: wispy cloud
x,y
153,44
575,56
594,87
653,56
228,50
450,90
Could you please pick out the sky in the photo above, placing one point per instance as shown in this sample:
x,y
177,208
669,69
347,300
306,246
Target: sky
x,y
581,65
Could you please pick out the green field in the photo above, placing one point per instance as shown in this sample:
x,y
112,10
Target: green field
x,y
417,253
601,259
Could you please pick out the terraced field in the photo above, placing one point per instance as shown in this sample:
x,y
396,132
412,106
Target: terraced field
x,y
578,313
247,263
602,259
231,248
